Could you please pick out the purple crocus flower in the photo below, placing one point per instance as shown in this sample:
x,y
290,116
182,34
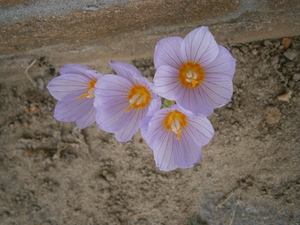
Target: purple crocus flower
x,y
122,100
195,71
74,90
176,137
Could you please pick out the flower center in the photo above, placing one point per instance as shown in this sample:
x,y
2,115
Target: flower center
x,y
175,121
191,74
91,88
138,97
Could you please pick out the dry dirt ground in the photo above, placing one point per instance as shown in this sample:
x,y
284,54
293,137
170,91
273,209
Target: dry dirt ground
x,y
54,173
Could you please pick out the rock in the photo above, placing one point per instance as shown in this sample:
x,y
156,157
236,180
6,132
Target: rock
x,y
274,60
267,43
40,84
273,114
290,54
286,42
254,51
296,77
285,97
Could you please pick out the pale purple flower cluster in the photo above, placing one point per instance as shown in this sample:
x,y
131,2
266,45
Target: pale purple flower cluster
x,y
195,73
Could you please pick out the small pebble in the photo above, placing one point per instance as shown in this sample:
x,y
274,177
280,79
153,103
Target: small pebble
x,y
290,54
254,52
40,83
285,97
296,77
267,43
291,84
244,49
290,64
286,42
272,114
274,60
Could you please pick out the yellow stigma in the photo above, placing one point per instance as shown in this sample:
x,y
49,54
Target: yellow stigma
x,y
175,121
138,97
191,74
90,90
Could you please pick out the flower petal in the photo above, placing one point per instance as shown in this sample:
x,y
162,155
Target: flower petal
x,y
112,117
62,86
200,130
161,141
81,70
154,106
144,125
215,91
88,118
72,109
186,152
167,52
193,101
124,69
111,102
111,88
166,82
131,127
224,64
199,46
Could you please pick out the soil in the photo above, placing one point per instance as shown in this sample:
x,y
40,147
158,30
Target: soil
x,y
55,173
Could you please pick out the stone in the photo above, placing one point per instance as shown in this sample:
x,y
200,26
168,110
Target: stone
x,y
285,97
272,114
290,54
296,77
267,43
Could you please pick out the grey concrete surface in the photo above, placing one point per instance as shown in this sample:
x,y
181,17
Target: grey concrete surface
x,y
45,8
93,32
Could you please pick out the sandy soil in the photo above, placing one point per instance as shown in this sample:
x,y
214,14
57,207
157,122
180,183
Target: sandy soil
x,y
54,173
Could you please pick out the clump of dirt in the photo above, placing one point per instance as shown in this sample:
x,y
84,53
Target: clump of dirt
x,y
55,173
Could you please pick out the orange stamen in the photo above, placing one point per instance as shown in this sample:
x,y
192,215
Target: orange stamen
x,y
83,96
175,121
138,97
191,74
90,90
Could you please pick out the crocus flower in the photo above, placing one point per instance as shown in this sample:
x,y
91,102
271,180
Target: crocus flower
x,y
195,71
122,100
176,137
74,90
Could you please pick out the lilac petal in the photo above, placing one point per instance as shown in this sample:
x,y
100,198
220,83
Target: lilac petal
x,y
124,69
144,125
62,86
199,46
154,106
187,112
88,119
215,91
130,72
224,64
167,52
112,88
81,70
161,141
195,102
163,154
112,117
186,152
111,103
200,130
75,110
131,127
166,82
